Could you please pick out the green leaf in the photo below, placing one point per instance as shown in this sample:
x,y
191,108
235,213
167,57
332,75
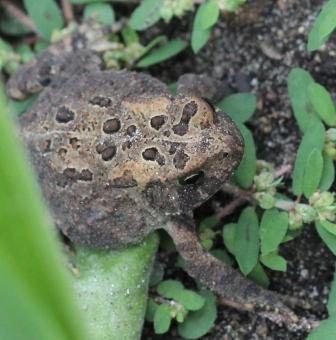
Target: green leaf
x,y
322,103
246,243
248,166
273,228
157,40
36,299
199,36
189,299
17,107
325,331
240,106
298,82
112,288
323,26
169,288
229,231
130,36
332,298
209,14
151,309
102,12
313,138
328,174
208,223
162,319
200,322
313,172
259,276
76,2
163,53
274,262
330,227
10,25
328,238
223,256
146,14
46,15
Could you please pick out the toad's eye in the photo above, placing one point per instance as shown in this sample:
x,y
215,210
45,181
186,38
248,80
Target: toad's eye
x,y
192,178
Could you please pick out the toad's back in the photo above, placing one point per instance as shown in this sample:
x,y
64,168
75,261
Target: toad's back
x,y
104,143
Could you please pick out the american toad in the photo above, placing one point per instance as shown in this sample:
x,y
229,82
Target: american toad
x,y
119,156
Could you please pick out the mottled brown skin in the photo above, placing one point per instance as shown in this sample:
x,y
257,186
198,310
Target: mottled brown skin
x,y
118,156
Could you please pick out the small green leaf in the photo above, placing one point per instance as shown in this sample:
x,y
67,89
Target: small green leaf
x,y
157,40
179,316
189,299
330,227
199,36
325,331
209,14
163,53
322,103
162,319
229,231
298,82
152,306
323,26
328,238
46,15
248,166
129,35
10,25
199,323
312,172
332,298
146,14
76,2
313,138
170,288
223,256
328,174
273,228
274,261
240,106
102,12
246,243
259,276
208,223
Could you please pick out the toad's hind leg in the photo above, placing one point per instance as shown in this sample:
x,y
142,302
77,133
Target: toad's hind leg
x,y
224,280
52,66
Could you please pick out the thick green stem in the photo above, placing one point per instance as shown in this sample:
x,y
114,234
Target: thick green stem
x,y
112,289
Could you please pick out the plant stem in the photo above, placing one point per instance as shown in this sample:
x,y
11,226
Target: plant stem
x,y
19,15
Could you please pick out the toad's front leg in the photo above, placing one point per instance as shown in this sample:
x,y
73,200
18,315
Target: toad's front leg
x,y
226,281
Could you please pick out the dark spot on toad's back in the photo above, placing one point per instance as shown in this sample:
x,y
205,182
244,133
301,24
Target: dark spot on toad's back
x,y
188,112
100,101
150,154
85,175
131,130
64,115
111,125
107,150
158,121
180,159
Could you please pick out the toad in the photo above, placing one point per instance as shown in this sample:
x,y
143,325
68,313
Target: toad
x,y
118,156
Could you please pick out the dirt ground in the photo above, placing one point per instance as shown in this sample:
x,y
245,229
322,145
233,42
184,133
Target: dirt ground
x,y
254,51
